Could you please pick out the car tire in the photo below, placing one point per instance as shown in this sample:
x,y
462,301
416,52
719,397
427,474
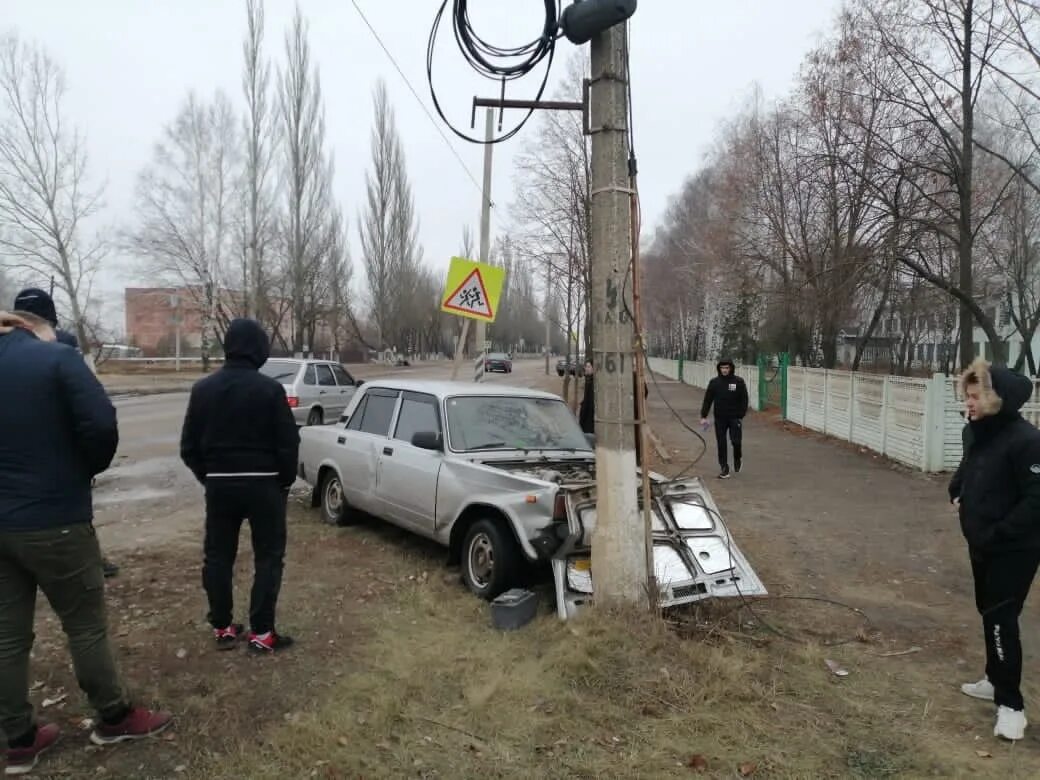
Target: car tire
x,y
490,559
316,417
334,509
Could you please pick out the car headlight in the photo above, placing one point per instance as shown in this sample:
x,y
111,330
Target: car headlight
x,y
579,575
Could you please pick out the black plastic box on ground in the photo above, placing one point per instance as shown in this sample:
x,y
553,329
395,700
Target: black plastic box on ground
x,y
514,609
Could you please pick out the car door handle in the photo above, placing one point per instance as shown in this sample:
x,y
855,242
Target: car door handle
x,y
341,440
388,450
321,392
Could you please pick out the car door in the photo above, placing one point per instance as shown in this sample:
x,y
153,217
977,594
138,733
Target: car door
x,y
407,474
307,389
328,392
360,446
345,383
408,478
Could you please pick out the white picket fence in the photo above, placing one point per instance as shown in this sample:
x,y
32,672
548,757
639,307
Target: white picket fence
x,y
916,422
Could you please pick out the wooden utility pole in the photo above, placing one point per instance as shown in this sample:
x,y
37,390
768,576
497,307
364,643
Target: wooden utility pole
x,y
479,366
619,555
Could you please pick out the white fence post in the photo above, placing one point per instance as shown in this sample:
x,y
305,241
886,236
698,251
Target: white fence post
x,y
885,401
852,405
934,423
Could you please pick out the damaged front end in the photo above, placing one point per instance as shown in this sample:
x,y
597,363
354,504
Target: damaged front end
x,y
695,557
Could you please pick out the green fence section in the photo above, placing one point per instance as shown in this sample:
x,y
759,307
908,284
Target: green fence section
x,y
772,382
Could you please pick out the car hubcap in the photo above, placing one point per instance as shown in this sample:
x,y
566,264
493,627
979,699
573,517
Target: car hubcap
x,y
481,560
333,498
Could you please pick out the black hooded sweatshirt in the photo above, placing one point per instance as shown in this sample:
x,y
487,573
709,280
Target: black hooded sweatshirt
x,y
238,421
728,394
998,480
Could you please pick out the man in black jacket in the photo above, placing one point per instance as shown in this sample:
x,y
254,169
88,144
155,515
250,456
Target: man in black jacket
x,y
57,430
996,489
729,395
241,442
35,301
587,409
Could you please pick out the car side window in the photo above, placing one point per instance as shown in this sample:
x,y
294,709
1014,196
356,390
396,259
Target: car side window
x,y
418,414
325,378
354,424
309,377
379,412
344,379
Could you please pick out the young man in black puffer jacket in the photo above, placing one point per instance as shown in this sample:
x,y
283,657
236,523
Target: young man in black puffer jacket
x,y
241,442
996,489
728,393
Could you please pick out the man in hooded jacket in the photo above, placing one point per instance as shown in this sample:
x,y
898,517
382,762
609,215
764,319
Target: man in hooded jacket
x,y
996,489
728,394
241,442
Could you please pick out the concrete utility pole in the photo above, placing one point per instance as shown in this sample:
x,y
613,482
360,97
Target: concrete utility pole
x,y
485,240
619,556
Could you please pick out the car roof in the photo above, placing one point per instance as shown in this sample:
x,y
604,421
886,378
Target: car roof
x,y
444,389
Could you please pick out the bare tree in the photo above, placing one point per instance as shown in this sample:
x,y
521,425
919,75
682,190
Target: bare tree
x,y
260,131
308,177
388,227
45,199
185,199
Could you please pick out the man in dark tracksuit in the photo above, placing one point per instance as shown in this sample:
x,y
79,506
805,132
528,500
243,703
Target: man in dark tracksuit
x,y
38,302
729,395
997,491
57,430
241,442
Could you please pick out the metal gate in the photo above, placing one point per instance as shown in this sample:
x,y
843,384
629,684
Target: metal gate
x,y
772,381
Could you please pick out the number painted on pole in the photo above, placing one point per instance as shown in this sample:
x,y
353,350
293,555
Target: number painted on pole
x,y
613,362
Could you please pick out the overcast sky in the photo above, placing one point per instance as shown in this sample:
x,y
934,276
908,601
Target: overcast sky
x,y
130,64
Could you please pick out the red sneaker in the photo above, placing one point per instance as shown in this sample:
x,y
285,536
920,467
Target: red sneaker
x,y
269,643
227,637
138,724
21,761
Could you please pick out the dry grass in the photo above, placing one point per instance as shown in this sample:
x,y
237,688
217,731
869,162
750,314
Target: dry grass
x,y
436,692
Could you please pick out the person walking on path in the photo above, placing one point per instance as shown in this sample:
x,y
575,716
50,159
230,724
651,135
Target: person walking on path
x,y
35,301
58,429
241,442
728,394
996,490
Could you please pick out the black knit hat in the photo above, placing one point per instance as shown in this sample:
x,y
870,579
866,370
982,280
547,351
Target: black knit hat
x,y
36,301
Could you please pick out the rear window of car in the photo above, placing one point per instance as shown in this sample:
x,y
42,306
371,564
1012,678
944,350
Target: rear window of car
x,y
283,371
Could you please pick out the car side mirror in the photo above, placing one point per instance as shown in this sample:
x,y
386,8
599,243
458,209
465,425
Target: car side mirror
x,y
428,440
359,382
591,439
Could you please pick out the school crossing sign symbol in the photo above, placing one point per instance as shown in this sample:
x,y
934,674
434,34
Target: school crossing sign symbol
x,y
473,289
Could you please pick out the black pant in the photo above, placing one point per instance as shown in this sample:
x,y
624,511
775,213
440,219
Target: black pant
x,y
1002,583
735,427
228,502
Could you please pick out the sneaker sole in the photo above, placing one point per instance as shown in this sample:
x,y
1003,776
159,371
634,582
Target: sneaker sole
x,y
97,739
24,769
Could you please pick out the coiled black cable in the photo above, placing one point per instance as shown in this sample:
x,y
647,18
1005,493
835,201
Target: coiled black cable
x,y
494,62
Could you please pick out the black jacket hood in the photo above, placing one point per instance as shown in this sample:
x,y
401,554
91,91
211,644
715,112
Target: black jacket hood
x,y
721,363
246,342
1003,392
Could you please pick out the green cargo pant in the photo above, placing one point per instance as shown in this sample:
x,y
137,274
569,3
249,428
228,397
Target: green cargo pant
x,y
65,563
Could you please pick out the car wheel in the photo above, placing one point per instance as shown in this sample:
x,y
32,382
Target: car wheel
x,y
490,559
315,417
333,503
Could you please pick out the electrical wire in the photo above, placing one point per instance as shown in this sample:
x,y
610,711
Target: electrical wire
x,y
495,62
415,94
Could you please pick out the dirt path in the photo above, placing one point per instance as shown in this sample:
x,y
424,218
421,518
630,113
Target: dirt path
x,y
818,517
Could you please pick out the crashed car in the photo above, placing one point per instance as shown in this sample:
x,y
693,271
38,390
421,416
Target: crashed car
x,y
502,476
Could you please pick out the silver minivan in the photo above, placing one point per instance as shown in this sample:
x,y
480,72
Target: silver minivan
x,y
318,390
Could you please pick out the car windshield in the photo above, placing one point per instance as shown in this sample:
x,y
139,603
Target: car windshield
x,y
512,422
280,370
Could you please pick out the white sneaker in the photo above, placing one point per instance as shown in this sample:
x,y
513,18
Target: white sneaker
x,y
1011,724
983,689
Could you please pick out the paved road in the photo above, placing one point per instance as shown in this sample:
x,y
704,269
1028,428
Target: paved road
x,y
148,496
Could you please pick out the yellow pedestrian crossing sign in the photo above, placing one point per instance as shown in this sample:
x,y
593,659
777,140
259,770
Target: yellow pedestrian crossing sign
x,y
473,289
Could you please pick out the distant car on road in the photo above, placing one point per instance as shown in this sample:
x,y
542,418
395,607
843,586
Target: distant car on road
x,y
572,366
318,390
503,476
499,361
